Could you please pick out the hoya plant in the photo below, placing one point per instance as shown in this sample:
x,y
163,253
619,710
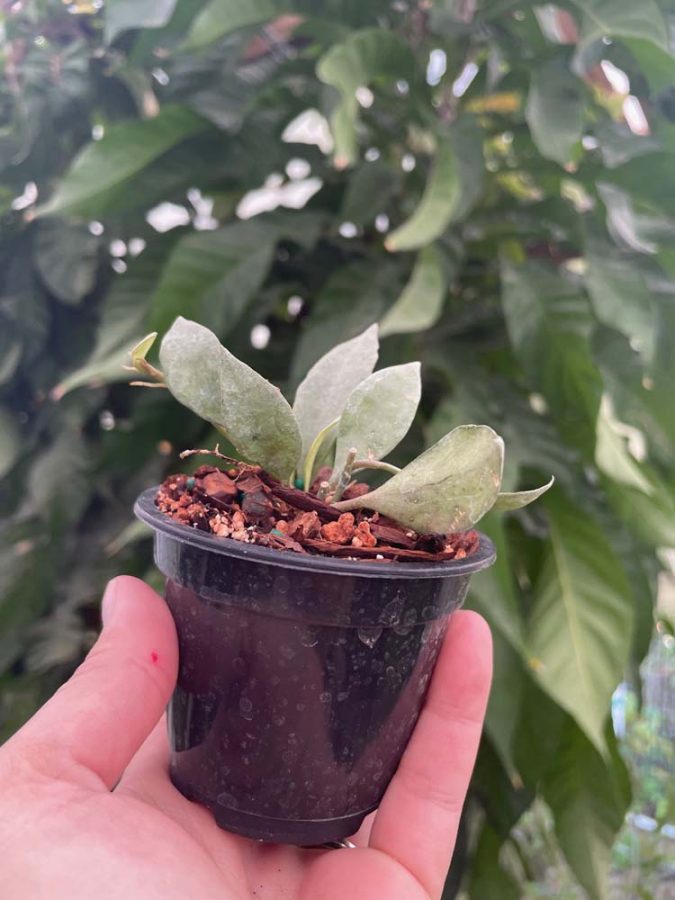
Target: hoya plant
x,y
344,412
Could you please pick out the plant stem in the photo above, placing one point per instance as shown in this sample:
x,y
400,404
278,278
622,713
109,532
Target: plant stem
x,y
215,452
375,464
345,475
313,452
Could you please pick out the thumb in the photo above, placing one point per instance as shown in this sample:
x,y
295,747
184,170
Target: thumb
x,y
97,721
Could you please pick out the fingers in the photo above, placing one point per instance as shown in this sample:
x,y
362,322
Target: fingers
x,y
151,763
418,818
93,726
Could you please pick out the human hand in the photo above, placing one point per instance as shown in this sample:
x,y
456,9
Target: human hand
x,y
87,809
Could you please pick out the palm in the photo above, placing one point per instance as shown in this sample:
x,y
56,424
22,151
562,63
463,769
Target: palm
x,y
71,827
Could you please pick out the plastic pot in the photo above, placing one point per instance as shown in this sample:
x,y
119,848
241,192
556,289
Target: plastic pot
x,y
301,677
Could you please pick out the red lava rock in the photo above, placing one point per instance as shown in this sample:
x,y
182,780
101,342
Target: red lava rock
x,y
340,532
363,536
275,515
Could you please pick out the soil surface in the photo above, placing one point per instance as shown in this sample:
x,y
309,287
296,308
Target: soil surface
x,y
243,502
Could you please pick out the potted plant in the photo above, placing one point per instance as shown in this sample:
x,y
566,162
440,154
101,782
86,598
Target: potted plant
x,y
310,608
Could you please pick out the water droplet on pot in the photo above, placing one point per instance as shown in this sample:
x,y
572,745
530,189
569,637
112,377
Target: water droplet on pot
x,y
300,707
279,720
325,697
246,708
286,651
391,613
227,800
308,639
343,695
282,584
369,636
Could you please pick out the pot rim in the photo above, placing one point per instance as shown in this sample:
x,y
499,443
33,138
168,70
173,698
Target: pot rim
x,y
147,512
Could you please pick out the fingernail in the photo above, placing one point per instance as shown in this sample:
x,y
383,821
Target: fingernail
x,y
108,603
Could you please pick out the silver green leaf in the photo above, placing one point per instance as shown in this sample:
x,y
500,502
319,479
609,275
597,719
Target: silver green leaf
x,y
322,394
247,409
518,499
448,488
379,413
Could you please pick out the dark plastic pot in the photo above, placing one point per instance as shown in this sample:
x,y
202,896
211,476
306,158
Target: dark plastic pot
x,y
301,677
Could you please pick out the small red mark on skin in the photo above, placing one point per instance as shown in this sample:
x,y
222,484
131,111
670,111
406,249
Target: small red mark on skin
x,y
154,656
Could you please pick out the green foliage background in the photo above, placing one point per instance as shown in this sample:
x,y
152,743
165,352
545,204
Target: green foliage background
x,y
512,232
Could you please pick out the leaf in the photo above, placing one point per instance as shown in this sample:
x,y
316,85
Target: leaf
x,y
379,413
455,183
10,441
555,110
126,149
66,256
580,630
589,797
140,350
489,880
420,305
251,412
508,501
353,298
213,275
633,225
612,455
448,488
621,297
622,18
366,56
121,15
549,324
222,17
321,396
369,192
122,321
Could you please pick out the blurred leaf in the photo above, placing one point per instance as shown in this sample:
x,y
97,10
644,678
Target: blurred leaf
x,y
489,880
378,413
555,110
420,305
353,298
455,184
510,500
589,796
212,275
549,325
368,192
366,56
579,632
493,591
620,296
123,320
66,256
221,17
622,18
10,441
126,149
251,412
321,396
448,488
120,15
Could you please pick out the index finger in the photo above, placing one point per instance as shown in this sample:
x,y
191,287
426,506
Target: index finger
x,y
418,818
